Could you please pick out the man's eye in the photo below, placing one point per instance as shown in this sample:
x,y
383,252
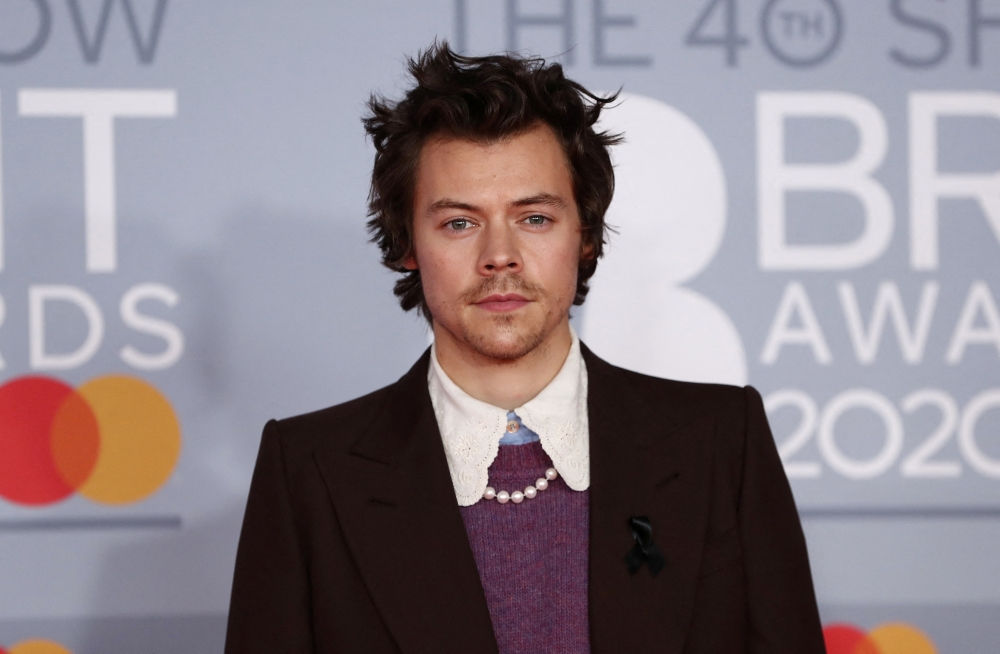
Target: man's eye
x,y
536,220
458,224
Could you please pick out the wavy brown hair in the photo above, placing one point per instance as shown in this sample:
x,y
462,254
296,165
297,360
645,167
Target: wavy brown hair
x,y
483,99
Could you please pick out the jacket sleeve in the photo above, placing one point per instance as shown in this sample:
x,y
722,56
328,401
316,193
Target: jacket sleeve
x,y
781,602
269,607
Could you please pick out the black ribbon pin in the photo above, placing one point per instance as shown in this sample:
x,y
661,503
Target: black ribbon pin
x,y
644,550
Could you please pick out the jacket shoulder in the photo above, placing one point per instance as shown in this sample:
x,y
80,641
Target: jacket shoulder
x,y
338,425
697,393
685,401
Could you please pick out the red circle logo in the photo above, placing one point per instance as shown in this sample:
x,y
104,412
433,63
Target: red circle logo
x,y
114,440
889,638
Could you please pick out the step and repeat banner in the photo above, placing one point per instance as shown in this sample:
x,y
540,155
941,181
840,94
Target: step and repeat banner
x,y
808,201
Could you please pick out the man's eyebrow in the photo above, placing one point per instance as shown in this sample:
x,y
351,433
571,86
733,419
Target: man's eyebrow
x,y
546,199
447,203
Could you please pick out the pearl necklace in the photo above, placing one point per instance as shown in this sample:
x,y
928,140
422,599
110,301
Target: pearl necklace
x,y
517,496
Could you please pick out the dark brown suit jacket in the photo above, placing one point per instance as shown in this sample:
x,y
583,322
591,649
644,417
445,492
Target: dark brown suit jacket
x,y
353,541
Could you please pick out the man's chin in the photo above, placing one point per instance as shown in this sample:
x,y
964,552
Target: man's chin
x,y
504,341
503,351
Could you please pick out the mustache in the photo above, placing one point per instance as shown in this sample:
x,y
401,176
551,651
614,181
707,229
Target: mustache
x,y
510,283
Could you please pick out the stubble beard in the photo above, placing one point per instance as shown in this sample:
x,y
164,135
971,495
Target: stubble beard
x,y
505,336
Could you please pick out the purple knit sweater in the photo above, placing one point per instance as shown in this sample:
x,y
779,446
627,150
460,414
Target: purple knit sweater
x,y
532,557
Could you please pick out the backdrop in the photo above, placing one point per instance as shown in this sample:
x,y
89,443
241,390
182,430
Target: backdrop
x,y
809,201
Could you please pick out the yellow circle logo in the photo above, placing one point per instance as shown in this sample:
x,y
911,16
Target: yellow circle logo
x,y
890,638
37,647
114,440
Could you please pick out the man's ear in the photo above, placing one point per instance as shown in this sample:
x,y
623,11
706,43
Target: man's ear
x,y
411,263
586,251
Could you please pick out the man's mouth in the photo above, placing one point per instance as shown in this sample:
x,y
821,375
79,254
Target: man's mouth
x,y
502,303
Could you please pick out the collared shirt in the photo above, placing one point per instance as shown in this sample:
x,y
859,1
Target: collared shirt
x,y
518,433
471,429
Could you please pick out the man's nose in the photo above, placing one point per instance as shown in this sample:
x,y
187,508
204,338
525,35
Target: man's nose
x,y
500,251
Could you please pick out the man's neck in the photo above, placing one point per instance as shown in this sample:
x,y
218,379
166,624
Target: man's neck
x,y
507,384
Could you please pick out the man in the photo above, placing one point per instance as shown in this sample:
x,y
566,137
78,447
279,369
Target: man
x,y
513,492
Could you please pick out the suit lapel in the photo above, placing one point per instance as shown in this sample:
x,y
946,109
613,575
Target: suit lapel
x,y
395,502
643,464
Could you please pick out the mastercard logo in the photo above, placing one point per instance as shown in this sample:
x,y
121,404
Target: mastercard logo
x,y
891,638
36,647
114,440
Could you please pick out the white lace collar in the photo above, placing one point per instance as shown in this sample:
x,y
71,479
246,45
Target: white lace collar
x,y
471,429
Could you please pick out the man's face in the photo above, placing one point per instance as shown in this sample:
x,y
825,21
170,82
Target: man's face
x,y
497,237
